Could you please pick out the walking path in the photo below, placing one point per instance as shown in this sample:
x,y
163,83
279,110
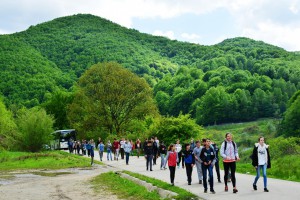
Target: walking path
x,y
279,189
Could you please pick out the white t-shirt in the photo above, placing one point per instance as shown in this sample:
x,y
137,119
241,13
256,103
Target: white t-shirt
x,y
262,155
178,148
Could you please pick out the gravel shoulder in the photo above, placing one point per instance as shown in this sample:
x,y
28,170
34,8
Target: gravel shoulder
x,y
76,185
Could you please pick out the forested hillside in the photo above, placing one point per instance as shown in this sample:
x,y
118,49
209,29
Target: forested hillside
x,y
236,80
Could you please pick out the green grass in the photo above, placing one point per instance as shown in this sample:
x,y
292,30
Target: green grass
x,y
123,188
41,160
182,194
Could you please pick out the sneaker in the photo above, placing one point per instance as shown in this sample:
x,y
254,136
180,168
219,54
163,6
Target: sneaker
x,y
226,188
205,190
200,181
254,187
219,181
235,190
266,190
172,184
151,170
212,191
189,183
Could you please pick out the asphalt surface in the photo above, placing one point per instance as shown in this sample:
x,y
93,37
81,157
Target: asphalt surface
x,y
278,189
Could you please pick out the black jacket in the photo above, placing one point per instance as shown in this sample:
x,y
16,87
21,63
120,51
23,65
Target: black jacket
x,y
148,150
204,156
162,149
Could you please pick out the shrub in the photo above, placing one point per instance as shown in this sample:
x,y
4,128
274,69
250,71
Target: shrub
x,y
35,127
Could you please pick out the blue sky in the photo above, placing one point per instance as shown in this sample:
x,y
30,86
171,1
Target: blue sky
x,y
205,22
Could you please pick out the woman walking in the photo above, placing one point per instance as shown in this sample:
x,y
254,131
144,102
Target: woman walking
x,y
261,161
172,159
229,153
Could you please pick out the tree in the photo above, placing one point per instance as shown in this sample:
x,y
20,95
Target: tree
x,y
215,107
290,123
110,96
57,106
169,129
35,127
8,129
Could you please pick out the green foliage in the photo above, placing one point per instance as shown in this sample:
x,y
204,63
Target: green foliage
x,y
26,76
8,129
257,78
57,106
122,187
280,147
42,160
110,96
290,123
169,129
35,127
182,194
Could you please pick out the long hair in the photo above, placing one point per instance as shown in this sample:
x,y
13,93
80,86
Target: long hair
x,y
170,147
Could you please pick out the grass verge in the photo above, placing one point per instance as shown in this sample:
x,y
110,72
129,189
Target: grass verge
x,y
122,187
42,160
182,194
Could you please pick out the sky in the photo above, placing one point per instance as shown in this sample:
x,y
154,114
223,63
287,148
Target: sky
x,y
204,22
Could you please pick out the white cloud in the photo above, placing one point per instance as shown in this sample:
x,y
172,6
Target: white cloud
x,y
282,36
276,22
168,34
191,36
294,7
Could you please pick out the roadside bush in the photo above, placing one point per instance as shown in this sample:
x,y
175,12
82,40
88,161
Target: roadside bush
x,y
281,146
35,127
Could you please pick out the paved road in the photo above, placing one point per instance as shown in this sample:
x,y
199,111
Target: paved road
x,y
279,189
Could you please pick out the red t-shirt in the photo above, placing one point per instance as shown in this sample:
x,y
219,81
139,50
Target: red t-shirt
x,y
172,159
116,144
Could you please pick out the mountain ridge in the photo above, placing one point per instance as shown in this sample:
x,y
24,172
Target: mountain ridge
x,y
70,45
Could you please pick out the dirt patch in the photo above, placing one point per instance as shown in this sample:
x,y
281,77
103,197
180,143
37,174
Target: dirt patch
x,y
70,184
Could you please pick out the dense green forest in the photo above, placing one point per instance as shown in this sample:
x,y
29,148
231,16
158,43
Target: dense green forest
x,y
239,79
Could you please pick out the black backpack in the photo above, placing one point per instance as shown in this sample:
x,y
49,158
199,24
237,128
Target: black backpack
x,y
225,143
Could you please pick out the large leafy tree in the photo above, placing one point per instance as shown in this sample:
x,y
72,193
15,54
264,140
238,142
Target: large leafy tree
x,y
291,121
111,96
215,107
57,106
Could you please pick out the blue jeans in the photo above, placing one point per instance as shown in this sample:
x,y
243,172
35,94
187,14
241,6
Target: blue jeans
x,y
162,162
208,168
127,154
264,171
109,155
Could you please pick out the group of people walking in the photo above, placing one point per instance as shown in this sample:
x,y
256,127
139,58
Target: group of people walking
x,y
204,155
